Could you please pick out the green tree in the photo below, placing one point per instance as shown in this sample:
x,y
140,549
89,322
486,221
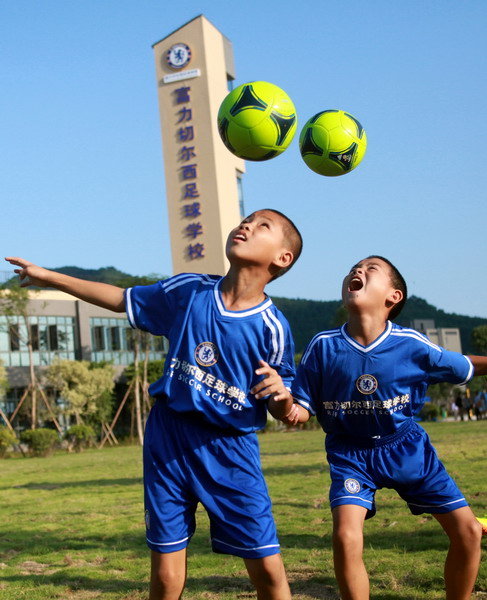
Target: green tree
x,y
3,382
14,305
479,339
7,439
83,388
341,316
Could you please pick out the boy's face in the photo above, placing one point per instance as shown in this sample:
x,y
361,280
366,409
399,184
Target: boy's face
x,y
259,239
369,286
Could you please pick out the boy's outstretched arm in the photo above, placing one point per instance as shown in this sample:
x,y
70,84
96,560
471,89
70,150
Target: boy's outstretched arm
x,y
281,404
479,364
102,294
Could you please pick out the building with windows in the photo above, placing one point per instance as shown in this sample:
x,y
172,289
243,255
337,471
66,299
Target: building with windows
x,y
63,327
446,337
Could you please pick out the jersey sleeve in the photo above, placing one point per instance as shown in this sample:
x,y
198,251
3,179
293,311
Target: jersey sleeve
x,y
281,346
307,384
287,367
452,367
150,307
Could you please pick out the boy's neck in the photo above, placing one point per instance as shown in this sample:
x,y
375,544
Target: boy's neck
x,y
243,289
365,328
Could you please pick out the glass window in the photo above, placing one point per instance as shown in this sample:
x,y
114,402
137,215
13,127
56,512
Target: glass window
x,y
98,338
34,336
53,337
14,334
240,193
115,338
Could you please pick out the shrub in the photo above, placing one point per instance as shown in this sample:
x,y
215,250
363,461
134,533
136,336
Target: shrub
x,y
429,412
41,441
7,438
80,436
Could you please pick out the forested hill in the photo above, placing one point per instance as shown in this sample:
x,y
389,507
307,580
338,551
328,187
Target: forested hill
x,y
306,317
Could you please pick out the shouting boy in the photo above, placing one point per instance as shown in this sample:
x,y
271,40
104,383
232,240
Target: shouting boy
x,y
365,382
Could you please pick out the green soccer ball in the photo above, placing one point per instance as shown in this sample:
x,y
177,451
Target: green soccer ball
x,y
332,143
257,121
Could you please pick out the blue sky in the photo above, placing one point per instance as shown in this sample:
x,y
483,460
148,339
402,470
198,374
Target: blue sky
x,y
82,179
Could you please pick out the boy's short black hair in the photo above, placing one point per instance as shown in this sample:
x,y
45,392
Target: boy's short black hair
x,y
293,238
399,283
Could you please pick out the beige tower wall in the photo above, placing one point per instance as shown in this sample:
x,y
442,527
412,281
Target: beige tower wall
x,y
202,163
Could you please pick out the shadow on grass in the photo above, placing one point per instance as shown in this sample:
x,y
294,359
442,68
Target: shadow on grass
x,y
76,582
299,470
315,588
47,485
293,452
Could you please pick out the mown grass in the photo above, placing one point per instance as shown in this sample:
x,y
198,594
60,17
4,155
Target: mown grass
x,y
72,525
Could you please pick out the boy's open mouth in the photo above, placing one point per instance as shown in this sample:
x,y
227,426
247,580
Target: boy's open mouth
x,y
355,284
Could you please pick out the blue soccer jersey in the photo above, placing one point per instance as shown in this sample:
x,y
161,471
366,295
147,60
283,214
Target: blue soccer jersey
x,y
213,352
370,391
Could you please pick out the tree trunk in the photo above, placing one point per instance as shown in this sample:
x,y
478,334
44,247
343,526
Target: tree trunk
x,y
32,374
145,383
138,413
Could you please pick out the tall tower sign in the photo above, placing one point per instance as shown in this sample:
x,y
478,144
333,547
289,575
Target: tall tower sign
x,y
194,66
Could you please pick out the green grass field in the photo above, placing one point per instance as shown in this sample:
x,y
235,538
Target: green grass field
x,y
72,525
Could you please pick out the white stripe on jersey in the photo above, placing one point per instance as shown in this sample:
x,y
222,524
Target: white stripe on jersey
x,y
238,314
178,280
130,310
319,336
470,371
305,405
277,336
412,333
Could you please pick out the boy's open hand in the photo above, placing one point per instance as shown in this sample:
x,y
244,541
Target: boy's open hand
x,y
272,384
28,273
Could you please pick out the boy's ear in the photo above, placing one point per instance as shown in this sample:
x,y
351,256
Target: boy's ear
x,y
284,259
394,297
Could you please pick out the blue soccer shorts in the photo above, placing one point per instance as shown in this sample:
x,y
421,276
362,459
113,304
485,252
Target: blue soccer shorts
x,y
405,461
187,461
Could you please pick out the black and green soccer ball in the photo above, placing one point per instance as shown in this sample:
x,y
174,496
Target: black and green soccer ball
x,y
257,121
332,143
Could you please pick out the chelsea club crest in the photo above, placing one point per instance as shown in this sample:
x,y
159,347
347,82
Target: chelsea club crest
x,y
206,354
352,486
366,384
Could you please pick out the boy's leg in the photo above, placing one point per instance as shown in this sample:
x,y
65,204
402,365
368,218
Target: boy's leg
x,y
168,575
269,577
463,559
348,544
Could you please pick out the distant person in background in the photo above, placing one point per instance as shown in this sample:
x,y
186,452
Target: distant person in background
x,y
480,405
468,404
454,410
459,403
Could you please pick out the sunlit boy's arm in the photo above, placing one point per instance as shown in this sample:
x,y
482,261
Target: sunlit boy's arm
x,y
101,294
479,364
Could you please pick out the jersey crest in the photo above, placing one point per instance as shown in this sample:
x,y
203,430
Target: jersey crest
x,y
206,354
352,486
366,384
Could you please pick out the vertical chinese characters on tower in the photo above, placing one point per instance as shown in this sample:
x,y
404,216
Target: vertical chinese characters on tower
x,y
191,205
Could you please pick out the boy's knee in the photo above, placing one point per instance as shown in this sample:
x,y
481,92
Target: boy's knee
x,y
168,575
347,538
268,572
472,535
469,536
